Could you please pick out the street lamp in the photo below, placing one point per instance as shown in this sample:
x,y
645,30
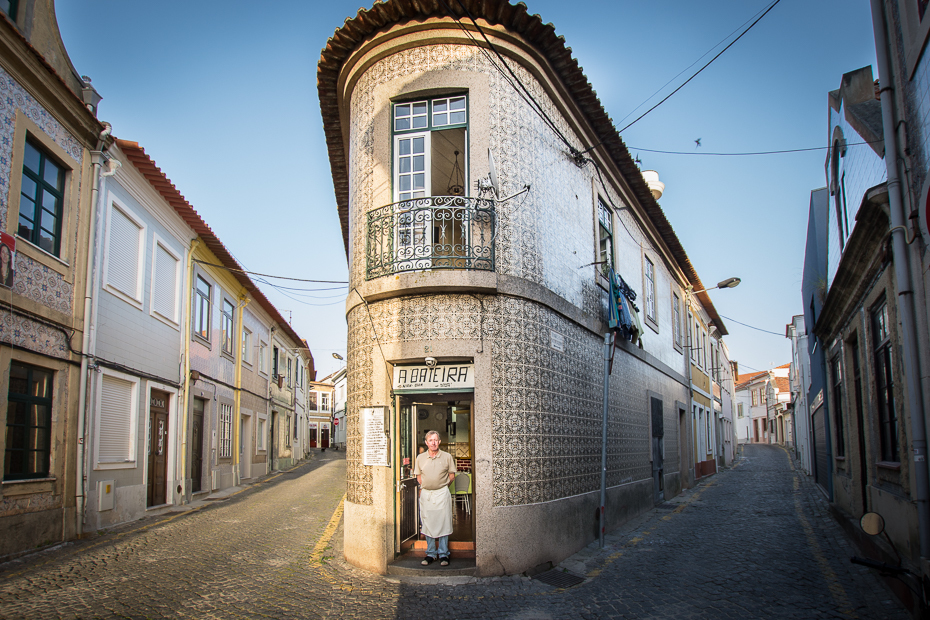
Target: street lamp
x,y
337,356
728,283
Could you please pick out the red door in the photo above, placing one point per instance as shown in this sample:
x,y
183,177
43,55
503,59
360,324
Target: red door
x,y
324,436
313,435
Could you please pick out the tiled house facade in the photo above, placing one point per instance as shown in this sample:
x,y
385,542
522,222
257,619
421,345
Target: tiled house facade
x,y
521,302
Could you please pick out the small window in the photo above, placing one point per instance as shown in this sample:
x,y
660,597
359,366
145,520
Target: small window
x,y
289,372
263,357
312,401
884,383
9,7
449,111
246,346
324,401
41,199
227,326
202,308
837,372
755,398
676,320
274,362
287,436
739,410
605,237
411,116
28,423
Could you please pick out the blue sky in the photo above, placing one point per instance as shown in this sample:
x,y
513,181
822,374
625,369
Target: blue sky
x,y
222,95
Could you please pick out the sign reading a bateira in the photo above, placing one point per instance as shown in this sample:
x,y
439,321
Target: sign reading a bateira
x,y
447,377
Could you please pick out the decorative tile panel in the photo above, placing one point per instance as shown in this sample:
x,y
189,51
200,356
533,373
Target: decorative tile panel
x,y
28,334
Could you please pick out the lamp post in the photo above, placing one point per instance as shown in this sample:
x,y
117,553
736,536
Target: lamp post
x,y
727,283
335,421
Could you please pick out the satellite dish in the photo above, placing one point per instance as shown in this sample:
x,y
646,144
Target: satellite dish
x,y
493,174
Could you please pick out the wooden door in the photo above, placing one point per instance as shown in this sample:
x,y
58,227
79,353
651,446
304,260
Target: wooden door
x,y
158,449
658,466
197,446
324,436
408,523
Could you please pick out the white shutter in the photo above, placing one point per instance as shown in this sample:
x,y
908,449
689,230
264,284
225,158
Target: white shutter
x,y
165,286
115,432
123,259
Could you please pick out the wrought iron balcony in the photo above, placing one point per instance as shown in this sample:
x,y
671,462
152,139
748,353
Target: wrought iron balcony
x,y
439,232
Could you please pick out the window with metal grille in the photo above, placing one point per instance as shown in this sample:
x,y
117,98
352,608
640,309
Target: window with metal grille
x,y
41,199
28,423
836,369
884,383
225,431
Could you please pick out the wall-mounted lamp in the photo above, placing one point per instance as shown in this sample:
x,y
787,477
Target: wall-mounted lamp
x,y
337,356
195,375
728,283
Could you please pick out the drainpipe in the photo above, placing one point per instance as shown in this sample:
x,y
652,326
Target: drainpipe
x,y
237,467
184,399
902,269
88,340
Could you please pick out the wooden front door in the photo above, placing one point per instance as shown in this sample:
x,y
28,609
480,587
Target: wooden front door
x,y
197,446
324,435
158,449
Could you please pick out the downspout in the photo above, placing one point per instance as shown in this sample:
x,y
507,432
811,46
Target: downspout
x,y
902,269
184,400
237,465
88,340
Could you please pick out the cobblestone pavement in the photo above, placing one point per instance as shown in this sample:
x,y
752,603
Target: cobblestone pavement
x,y
753,541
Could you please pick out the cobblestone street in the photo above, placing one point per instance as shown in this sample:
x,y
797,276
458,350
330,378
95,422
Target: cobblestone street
x,y
754,541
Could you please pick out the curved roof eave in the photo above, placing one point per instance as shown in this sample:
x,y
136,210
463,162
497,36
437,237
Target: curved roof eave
x,y
552,47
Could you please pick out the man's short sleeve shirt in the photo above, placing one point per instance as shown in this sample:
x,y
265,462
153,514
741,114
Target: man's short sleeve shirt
x,y
436,470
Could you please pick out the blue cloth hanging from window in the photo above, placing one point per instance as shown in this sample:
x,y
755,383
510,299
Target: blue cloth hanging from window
x,y
623,315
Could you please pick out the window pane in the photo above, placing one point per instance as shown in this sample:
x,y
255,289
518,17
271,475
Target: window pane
x,y
404,183
419,122
440,106
28,187
457,104
46,242
401,124
404,165
52,174
402,110
203,287
403,147
49,221
27,210
419,182
419,163
456,118
31,158
42,384
17,413
419,107
440,119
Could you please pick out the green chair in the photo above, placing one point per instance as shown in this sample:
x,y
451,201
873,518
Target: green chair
x,y
461,490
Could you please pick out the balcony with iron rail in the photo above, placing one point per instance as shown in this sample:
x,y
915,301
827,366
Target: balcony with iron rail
x,y
431,234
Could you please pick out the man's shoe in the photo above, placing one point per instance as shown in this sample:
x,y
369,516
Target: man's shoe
x,y
444,560
427,561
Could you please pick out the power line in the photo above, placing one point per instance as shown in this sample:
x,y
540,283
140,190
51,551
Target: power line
x,y
268,275
813,148
752,327
666,98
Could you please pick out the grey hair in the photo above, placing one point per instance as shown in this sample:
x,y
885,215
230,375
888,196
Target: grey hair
x,y
428,433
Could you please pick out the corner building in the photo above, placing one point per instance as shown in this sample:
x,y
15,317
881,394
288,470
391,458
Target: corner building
x,y
513,294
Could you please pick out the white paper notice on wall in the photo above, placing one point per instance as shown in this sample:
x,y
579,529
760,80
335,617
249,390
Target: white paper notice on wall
x,y
557,340
375,448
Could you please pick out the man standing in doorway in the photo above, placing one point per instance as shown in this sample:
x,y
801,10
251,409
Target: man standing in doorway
x,y
435,471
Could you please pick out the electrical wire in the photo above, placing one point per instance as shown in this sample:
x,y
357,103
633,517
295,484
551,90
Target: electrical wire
x,y
719,54
268,275
813,148
752,327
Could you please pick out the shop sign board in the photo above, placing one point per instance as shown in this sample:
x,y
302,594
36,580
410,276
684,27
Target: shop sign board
x,y
375,445
443,377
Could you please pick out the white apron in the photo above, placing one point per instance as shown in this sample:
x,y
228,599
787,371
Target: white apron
x,y
436,512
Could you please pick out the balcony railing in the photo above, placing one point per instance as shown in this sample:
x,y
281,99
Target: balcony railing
x,y
439,232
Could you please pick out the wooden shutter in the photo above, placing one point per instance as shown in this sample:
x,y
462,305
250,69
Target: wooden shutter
x,y
115,432
164,288
123,259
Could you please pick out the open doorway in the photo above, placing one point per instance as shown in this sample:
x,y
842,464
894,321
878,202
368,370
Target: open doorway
x,y
452,419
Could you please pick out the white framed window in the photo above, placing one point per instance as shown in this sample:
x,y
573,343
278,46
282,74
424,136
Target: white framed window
x,y
290,363
605,227
676,321
246,346
263,357
166,274
324,401
229,309
313,401
449,111
203,292
117,420
225,451
649,292
739,410
260,438
125,253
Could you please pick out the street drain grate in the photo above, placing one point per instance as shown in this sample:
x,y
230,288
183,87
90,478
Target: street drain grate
x,y
559,579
